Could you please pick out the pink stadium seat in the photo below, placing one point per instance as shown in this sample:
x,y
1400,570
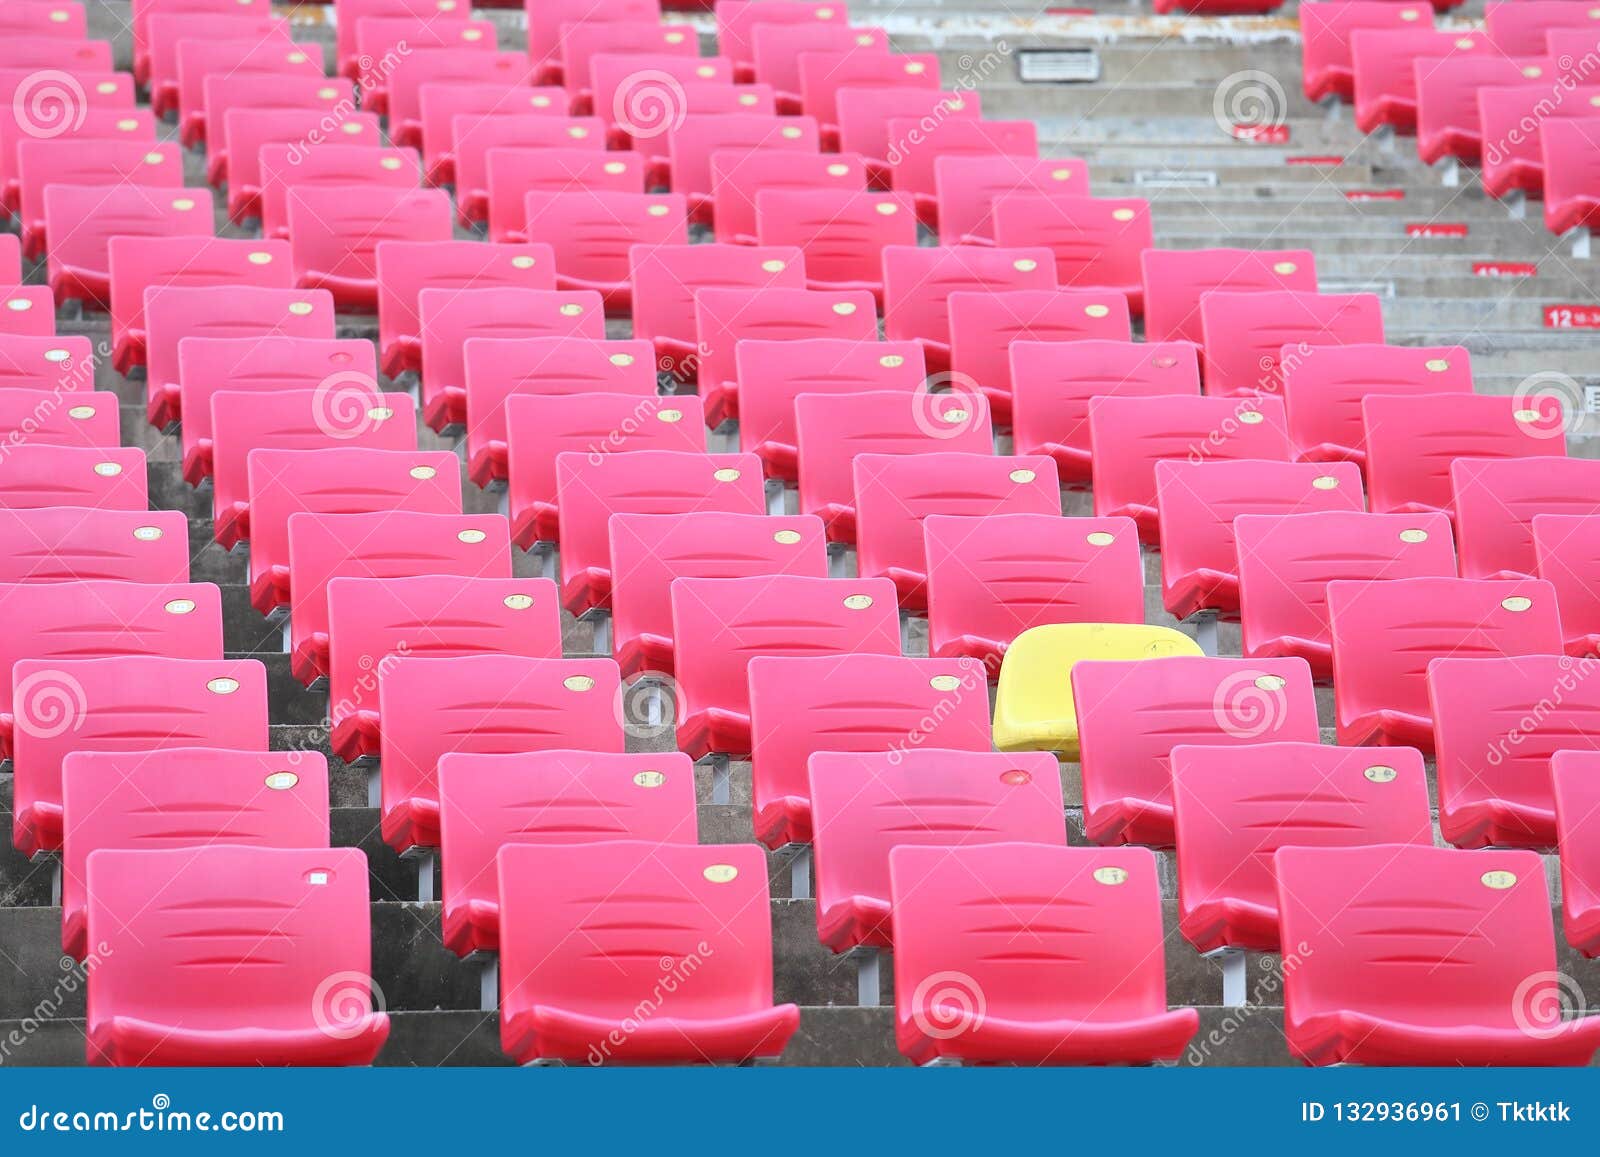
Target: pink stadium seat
x,y
1385,634
866,804
45,19
240,904
37,475
592,231
331,170
186,797
918,282
125,703
1457,935
225,92
1577,783
968,184
545,21
350,14
718,625
335,415
823,75
1496,499
68,162
340,479
1567,550
1132,714
142,11
1285,563
725,317
691,145
1097,241
518,141
45,362
894,493
831,430
383,42
993,577
374,622
1513,121
499,368
444,66
1571,152
772,374
406,268
583,41
737,21
1128,435
168,30
1412,439
208,366
740,176
200,59
864,115
97,618
573,970
1234,807
983,326
175,312
249,129
65,544
111,119
776,50
1385,84
55,52
1249,336
650,551
539,427
451,318
513,173
140,263
10,259
332,236
87,217
800,705
591,486
1089,989
1519,29
442,104
1448,125
667,277
91,418
1322,394
1052,384
1496,723
1198,502
1175,279
964,162
485,704
841,234
546,798
385,544
29,310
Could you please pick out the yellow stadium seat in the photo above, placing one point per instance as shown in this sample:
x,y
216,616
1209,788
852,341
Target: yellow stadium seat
x,y
1033,706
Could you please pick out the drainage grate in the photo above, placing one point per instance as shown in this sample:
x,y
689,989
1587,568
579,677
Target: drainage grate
x,y
1058,66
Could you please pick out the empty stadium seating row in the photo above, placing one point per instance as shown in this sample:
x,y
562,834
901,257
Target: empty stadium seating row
x,y
1363,515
